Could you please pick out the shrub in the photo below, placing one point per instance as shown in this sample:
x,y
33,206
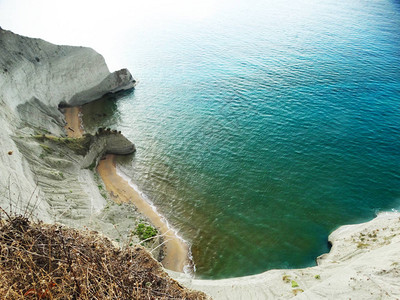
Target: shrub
x,y
79,145
145,232
294,284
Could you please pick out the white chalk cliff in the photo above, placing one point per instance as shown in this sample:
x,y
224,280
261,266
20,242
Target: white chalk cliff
x,y
50,180
44,176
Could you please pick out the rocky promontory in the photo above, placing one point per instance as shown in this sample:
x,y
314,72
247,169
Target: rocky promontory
x,y
55,74
41,168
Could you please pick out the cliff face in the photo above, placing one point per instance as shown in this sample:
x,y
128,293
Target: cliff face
x,y
43,175
33,68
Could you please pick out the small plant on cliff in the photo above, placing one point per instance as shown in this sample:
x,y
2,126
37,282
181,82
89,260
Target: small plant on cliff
x,y
145,232
294,284
297,291
92,166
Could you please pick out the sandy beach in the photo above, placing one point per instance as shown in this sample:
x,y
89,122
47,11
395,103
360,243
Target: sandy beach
x,y
176,251
73,127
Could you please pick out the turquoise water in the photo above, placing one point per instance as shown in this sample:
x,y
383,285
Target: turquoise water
x,y
266,126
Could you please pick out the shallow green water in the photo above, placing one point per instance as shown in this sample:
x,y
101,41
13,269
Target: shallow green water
x,y
264,129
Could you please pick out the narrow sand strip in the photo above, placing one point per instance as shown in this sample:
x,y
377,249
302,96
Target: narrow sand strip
x,y
73,127
176,251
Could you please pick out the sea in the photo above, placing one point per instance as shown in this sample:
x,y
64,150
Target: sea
x,y
260,126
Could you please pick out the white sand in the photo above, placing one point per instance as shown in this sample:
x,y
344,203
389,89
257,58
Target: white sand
x,y
364,263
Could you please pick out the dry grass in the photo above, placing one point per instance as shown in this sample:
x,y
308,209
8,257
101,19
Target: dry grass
x,y
40,261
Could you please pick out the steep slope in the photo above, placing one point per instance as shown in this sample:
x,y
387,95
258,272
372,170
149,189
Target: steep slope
x,y
41,261
35,78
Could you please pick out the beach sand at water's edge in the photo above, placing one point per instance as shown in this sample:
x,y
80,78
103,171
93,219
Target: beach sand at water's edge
x,y
176,251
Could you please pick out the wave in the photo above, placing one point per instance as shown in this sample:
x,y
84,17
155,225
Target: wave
x,y
189,268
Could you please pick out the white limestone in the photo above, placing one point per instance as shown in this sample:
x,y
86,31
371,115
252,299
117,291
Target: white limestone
x,y
364,263
35,77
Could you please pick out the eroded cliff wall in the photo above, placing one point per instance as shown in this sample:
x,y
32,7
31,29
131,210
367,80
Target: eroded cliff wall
x,y
41,176
33,68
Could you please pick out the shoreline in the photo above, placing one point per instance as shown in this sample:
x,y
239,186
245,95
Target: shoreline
x,y
120,191
363,263
176,252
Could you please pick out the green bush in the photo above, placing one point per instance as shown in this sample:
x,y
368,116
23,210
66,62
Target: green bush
x,y
294,284
145,232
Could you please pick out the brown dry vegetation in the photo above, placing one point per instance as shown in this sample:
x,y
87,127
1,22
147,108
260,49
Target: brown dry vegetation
x,y
40,261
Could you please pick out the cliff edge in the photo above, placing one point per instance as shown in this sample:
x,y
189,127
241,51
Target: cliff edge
x,y
66,75
41,169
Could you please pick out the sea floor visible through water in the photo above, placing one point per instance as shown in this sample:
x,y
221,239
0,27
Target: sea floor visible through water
x,y
262,129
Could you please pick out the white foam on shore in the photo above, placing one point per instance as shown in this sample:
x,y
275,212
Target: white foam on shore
x,y
189,268
393,212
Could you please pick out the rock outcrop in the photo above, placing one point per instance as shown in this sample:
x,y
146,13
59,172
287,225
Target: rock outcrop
x,y
33,68
107,142
44,176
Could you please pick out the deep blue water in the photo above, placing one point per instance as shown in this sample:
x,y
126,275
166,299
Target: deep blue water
x,y
265,126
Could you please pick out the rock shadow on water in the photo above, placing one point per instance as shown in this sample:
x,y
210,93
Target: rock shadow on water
x,y
104,111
